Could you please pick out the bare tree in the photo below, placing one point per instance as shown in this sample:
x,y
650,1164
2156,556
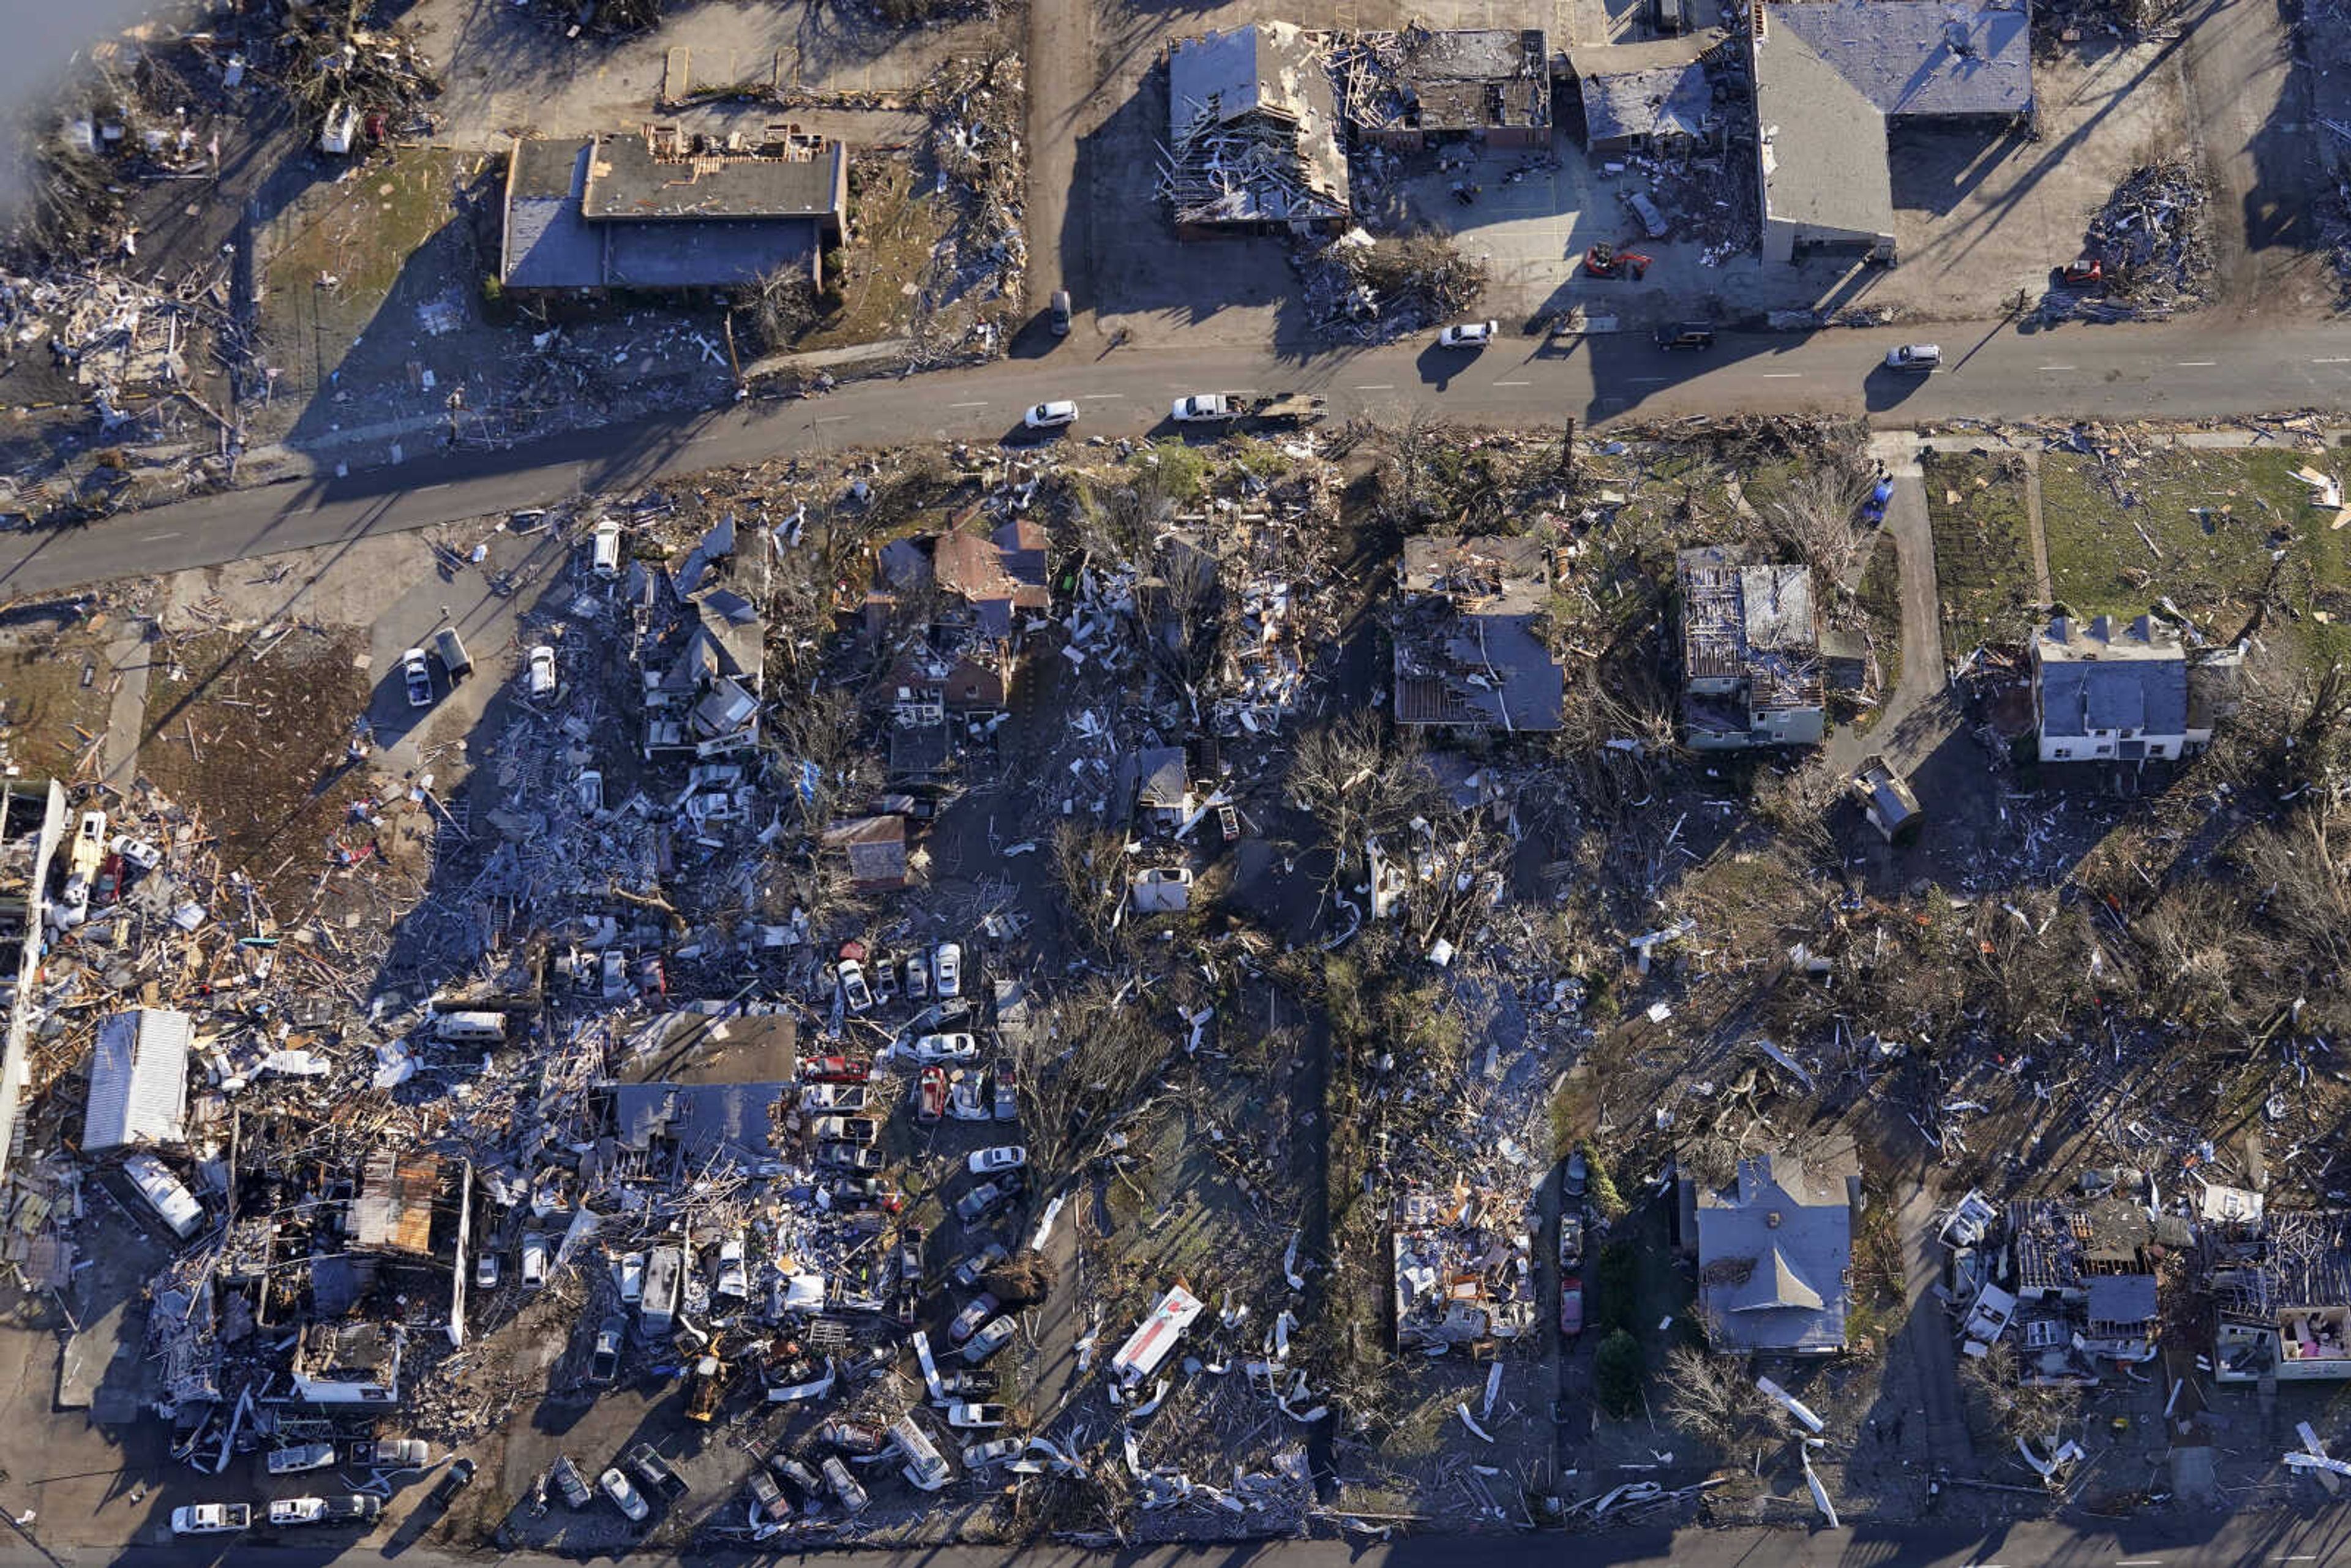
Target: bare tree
x,y
2027,1410
1082,1066
1814,516
1712,1398
1089,867
1358,778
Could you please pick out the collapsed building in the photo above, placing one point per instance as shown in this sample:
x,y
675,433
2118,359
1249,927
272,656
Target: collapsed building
x,y
1471,639
1653,97
1751,670
2282,1297
1252,135
1462,1264
663,210
1486,84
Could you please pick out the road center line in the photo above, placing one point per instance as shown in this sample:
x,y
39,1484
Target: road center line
x,y
966,405
1651,381
152,539
1378,386
1099,397
832,418
1514,384
2195,364
2057,367
2138,1563
1783,375
2337,361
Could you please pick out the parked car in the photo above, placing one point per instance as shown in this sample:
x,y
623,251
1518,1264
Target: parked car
x,y
353,1508
1468,334
990,1340
835,1070
1686,335
845,1130
485,1271
884,977
967,1097
855,994
969,1322
844,1485
302,1457
930,1094
1577,1177
646,1462
212,1517
980,1456
624,1497
417,673
967,1382
967,1415
918,978
1060,313
1006,1085
967,1272
732,1278
300,1511
393,1454
1920,357
1571,1241
958,1047
542,671
947,970
1052,415
570,1482
980,1201
910,1253
844,1098
455,1479
804,1480
848,1157
630,1273
138,852
2083,272
604,1360
861,1439
1571,1305
534,1260
1004,1157
768,1502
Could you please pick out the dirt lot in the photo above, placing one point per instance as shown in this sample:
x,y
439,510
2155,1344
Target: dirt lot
x,y
56,684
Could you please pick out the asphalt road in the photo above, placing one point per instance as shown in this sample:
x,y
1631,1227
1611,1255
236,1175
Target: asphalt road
x,y
2270,1541
1991,370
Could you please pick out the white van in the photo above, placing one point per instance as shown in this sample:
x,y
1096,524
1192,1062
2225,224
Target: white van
x,y
165,1193
471,1028
607,557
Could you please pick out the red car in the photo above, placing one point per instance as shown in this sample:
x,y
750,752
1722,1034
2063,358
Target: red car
x,y
1570,1306
834,1069
2083,272
931,1094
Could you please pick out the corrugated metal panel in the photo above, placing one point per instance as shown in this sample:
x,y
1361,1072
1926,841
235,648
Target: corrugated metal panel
x,y
138,1080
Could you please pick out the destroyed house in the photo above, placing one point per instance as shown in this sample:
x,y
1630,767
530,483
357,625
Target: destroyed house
x,y
1775,1254
702,678
2284,1313
698,1087
1252,135
2109,692
1652,97
138,1080
1472,648
959,613
1831,76
661,211
2097,1261
873,848
1492,84
1750,654
399,1198
1163,787
1459,1278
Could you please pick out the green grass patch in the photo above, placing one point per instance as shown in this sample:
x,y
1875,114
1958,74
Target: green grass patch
x,y
1983,548
1880,608
2212,520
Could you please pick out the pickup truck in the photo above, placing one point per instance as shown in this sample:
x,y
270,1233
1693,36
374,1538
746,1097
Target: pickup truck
x,y
1224,407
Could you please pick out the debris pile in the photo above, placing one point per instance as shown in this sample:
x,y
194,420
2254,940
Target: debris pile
x,y
977,109
2154,237
1359,290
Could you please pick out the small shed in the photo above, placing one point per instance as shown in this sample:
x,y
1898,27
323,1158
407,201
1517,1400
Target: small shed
x,y
138,1080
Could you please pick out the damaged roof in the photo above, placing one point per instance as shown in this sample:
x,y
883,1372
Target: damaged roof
x,y
1673,101
1922,58
2097,675
1471,650
1773,1251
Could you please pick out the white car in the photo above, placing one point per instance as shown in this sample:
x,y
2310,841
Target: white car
x,y
1003,1157
303,1457
485,1271
968,1413
1051,415
418,673
542,671
212,1517
630,1273
138,852
1915,357
534,1261
932,1048
298,1511
624,1496
855,994
980,1456
918,980
733,1279
1468,334
947,970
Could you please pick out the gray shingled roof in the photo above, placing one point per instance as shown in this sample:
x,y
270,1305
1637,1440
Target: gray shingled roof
x,y
1668,101
1922,56
1824,158
2121,1298
1795,1227
2148,694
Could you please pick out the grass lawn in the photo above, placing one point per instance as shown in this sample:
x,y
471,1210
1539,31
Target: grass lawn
x,y
1983,548
897,226
2214,518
